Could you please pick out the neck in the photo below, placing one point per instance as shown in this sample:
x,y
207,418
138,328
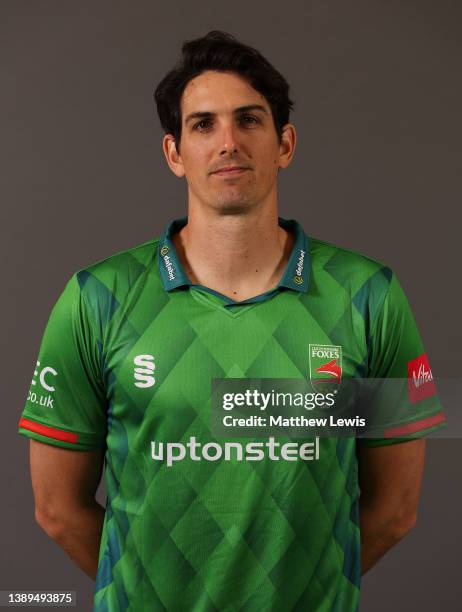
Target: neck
x,y
240,255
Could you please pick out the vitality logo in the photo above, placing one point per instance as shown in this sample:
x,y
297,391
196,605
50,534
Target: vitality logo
x,y
144,370
420,379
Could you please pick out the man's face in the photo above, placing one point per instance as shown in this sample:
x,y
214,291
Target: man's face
x,y
226,123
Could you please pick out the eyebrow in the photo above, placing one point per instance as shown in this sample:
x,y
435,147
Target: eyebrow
x,y
240,109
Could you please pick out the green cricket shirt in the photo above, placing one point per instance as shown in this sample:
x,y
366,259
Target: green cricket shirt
x,y
126,364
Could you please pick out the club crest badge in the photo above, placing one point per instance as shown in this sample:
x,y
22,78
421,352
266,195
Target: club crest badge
x,y
325,363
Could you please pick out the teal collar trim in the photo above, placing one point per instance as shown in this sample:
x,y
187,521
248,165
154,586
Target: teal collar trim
x,y
296,274
170,268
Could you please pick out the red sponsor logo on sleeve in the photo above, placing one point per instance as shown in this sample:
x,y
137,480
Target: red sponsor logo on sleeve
x,y
420,379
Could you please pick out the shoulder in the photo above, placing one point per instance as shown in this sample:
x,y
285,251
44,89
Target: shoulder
x,y
349,276
332,257
101,288
349,268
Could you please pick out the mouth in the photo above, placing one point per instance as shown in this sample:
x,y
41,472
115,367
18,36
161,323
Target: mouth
x,y
231,171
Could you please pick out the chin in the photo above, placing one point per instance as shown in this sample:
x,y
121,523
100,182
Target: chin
x,y
234,206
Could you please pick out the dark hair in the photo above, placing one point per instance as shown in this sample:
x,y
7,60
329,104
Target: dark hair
x,y
222,52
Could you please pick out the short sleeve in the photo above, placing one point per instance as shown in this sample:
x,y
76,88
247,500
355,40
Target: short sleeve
x,y
66,402
396,352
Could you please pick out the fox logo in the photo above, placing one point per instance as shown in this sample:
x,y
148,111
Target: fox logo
x,y
144,370
325,365
331,368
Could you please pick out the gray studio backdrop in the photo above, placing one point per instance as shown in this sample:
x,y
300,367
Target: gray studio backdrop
x,y
377,169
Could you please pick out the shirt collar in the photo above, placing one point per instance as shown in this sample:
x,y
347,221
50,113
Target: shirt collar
x,y
296,274
171,270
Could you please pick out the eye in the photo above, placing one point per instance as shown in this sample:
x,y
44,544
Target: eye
x,y
202,124
249,119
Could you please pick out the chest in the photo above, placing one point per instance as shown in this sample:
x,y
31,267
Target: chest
x,y
172,358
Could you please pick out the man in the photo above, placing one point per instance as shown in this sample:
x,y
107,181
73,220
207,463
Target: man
x,y
232,291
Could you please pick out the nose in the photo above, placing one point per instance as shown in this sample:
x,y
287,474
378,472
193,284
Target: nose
x,y
228,139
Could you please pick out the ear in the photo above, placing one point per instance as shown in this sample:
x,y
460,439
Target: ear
x,y
287,146
172,156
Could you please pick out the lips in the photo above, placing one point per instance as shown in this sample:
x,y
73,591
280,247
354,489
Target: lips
x,y
230,170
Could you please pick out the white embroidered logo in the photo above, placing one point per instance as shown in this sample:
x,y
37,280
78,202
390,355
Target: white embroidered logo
x,y
145,370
